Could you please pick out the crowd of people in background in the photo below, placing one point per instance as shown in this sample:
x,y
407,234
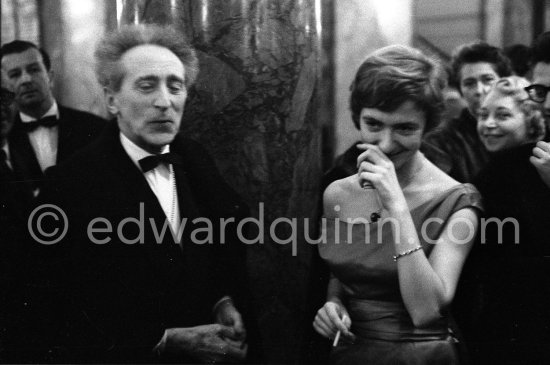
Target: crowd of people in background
x,y
466,142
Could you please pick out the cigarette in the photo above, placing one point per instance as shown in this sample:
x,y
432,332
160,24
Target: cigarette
x,y
338,334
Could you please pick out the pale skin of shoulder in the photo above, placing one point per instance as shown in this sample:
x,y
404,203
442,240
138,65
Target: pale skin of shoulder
x,y
427,285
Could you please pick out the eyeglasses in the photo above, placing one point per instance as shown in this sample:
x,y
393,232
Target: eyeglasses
x,y
537,92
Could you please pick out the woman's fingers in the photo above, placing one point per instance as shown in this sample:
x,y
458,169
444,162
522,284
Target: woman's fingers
x,y
322,328
372,153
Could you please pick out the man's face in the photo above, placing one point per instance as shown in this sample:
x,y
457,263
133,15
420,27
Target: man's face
x,y
151,99
541,75
28,78
476,79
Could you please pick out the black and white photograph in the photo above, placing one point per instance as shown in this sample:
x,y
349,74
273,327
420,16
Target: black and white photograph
x,y
294,182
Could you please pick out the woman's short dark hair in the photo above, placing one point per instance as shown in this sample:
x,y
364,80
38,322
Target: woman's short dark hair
x,y
514,86
114,45
393,75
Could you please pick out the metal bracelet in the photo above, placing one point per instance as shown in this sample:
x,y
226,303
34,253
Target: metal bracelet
x,y
407,252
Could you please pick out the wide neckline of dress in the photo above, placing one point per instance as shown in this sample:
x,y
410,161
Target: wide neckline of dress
x,y
425,205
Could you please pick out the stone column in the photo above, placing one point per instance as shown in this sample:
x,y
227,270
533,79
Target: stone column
x,y
254,108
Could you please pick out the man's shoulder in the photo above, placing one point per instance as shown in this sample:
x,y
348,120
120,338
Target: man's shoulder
x,y
65,110
86,160
81,118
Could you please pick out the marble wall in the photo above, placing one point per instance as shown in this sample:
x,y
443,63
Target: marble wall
x,y
254,108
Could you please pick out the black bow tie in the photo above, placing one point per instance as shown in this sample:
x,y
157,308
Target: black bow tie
x,y
150,162
49,121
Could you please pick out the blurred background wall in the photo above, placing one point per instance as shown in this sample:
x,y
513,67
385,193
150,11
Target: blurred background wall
x,y
271,103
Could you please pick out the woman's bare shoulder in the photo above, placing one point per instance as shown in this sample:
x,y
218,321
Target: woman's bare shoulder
x,y
339,192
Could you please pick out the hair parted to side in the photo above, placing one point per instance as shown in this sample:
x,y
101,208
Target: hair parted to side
x,y
480,52
112,47
393,75
18,46
514,86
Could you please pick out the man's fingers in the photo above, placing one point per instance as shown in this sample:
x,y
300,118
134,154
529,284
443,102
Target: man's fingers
x,y
226,331
238,327
235,353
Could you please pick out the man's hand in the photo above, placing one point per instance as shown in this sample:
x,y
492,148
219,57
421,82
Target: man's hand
x,y
207,343
541,160
227,315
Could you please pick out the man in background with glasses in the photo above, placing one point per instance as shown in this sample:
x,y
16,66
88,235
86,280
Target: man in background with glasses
x,y
538,92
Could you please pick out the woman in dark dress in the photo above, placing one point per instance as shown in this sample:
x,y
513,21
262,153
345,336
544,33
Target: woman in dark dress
x,y
513,257
398,230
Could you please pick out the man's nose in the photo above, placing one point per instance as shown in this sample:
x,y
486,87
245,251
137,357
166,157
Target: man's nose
x,y
162,98
25,77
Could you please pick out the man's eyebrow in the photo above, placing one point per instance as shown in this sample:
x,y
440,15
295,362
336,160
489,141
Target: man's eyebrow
x,y
175,78
147,78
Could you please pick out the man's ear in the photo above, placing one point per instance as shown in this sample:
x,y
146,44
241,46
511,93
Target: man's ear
x,y
51,81
111,100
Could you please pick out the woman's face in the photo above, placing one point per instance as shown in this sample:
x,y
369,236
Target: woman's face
x,y
398,134
501,123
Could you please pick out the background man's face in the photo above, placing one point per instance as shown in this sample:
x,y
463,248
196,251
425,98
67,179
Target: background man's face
x,y
28,78
476,79
151,99
541,75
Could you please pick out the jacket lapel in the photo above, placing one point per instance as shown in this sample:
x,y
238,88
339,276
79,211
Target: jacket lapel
x,y
20,146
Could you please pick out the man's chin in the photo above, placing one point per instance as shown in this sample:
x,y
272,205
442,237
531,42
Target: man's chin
x,y
160,140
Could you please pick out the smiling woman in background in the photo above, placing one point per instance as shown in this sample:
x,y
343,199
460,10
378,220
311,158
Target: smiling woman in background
x,y
508,118
513,259
389,296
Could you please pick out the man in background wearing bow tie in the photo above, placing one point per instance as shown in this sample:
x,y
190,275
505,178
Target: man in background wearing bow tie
x,y
130,291
44,132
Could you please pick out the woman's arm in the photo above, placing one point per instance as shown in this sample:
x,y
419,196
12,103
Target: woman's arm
x,y
428,285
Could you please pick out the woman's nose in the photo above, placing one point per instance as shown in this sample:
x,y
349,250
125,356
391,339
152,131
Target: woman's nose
x,y
386,142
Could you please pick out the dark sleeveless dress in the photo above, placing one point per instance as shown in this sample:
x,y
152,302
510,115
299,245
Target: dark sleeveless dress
x,y
361,257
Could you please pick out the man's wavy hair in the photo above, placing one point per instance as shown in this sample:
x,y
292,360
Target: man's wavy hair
x,y
396,74
479,52
113,46
514,86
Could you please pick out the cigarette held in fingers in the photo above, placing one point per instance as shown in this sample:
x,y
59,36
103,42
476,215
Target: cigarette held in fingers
x,y
339,333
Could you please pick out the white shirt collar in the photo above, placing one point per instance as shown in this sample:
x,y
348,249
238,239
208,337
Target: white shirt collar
x,y
53,111
135,152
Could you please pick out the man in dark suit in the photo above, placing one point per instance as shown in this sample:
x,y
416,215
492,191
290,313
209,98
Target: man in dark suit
x,y
44,132
130,289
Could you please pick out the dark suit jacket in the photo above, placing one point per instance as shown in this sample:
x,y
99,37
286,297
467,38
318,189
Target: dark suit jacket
x,y
120,297
76,130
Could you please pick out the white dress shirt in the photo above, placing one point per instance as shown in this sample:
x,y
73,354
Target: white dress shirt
x,y
6,149
44,139
161,179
